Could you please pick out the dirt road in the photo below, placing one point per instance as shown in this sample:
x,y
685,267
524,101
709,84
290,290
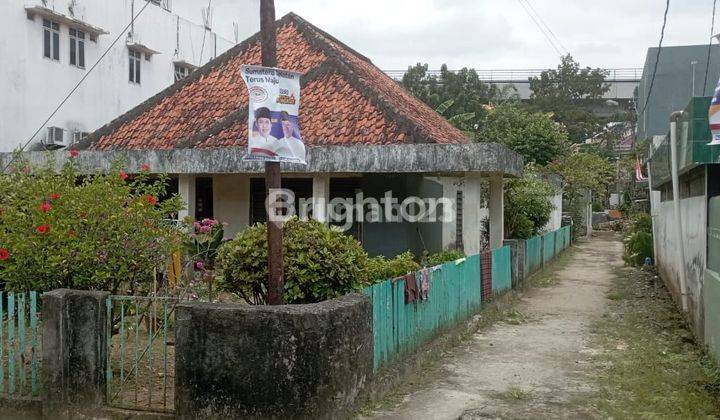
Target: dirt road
x,y
534,368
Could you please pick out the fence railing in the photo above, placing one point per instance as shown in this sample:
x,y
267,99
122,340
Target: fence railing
x,y
140,354
19,344
455,294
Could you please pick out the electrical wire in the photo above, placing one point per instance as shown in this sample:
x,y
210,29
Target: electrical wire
x,y
207,19
707,61
547,27
547,37
657,58
78,84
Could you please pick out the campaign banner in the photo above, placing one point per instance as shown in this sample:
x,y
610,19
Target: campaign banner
x,y
274,105
714,117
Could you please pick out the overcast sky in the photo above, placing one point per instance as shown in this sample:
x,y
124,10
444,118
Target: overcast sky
x,y
491,34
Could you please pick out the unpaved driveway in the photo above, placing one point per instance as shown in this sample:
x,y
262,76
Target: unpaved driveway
x,y
534,369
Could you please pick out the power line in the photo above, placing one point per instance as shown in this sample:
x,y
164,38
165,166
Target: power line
x,y
547,37
547,27
77,85
707,62
657,58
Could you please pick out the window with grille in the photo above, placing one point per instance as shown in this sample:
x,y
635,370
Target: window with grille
x,y
51,40
135,66
77,48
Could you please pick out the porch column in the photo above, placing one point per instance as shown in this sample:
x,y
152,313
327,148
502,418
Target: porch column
x,y
471,217
321,197
496,207
186,189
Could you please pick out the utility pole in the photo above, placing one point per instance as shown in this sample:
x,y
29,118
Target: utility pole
x,y
276,281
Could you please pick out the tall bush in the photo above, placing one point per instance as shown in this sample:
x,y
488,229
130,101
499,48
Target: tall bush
x,y
320,263
527,204
639,240
66,230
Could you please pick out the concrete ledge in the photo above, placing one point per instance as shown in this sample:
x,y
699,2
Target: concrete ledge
x,y
440,159
291,361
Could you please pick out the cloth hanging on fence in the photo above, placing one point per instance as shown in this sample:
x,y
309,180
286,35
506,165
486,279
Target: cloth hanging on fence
x,y
425,283
411,288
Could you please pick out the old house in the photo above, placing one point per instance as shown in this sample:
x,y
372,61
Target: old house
x,y
365,133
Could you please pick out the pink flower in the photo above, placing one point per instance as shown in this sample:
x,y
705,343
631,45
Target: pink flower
x,y
43,229
4,254
205,229
45,207
54,196
74,153
123,175
196,225
145,167
199,265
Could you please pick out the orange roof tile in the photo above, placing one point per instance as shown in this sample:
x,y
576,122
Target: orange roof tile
x,y
345,100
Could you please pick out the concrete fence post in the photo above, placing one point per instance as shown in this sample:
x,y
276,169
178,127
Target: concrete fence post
x,y
74,351
517,256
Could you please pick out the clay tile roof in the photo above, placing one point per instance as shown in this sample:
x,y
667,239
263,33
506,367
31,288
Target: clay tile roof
x,y
345,100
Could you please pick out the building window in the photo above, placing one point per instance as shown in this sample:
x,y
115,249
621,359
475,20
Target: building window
x,y
135,65
77,48
51,40
181,72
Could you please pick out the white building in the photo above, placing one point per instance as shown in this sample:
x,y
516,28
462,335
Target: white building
x,y
50,45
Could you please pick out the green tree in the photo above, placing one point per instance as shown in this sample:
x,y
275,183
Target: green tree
x,y
534,135
563,90
469,94
527,204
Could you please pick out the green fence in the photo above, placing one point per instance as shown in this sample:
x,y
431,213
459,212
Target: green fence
x,y
455,294
533,254
19,344
548,244
501,270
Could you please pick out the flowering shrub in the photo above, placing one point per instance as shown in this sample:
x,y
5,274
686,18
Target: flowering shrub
x,y
320,263
205,238
99,232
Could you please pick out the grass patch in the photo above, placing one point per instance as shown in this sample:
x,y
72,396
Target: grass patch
x,y
650,366
515,394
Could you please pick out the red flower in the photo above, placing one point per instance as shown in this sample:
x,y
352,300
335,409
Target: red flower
x,y
150,199
4,254
145,167
54,196
43,229
74,153
45,207
123,175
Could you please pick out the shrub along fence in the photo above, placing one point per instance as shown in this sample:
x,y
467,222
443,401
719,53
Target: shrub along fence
x,y
401,325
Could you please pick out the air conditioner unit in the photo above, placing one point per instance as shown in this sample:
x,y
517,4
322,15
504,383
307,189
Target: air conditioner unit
x,y
55,137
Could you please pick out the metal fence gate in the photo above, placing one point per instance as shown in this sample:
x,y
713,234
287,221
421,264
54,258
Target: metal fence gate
x,y
140,352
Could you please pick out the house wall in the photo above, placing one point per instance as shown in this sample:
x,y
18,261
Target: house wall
x,y
231,202
694,215
33,85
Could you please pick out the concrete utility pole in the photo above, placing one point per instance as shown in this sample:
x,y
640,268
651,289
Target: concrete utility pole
x,y
276,281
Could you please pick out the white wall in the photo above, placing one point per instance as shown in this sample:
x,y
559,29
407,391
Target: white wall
x,y
33,85
555,221
231,202
694,216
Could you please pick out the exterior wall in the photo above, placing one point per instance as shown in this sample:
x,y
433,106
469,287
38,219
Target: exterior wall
x,y
555,221
34,85
231,202
694,216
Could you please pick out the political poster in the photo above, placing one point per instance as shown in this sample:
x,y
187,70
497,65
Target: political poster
x,y
274,105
